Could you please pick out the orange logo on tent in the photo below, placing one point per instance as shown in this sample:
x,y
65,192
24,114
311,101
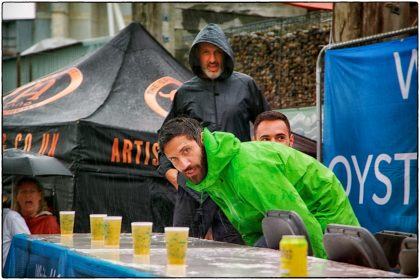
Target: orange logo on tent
x,y
41,92
164,87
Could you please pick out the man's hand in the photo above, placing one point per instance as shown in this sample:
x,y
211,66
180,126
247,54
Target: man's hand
x,y
209,235
172,176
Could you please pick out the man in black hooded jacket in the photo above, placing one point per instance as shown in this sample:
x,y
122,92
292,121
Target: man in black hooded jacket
x,y
222,100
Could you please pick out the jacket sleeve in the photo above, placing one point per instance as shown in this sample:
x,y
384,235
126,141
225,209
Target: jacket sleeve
x,y
259,101
50,225
274,192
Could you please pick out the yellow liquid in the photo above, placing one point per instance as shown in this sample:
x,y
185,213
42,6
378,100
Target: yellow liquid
x,y
293,260
176,247
66,223
97,228
141,239
112,229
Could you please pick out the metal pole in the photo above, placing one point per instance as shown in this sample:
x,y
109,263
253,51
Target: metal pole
x,y
18,70
318,74
319,104
118,16
110,19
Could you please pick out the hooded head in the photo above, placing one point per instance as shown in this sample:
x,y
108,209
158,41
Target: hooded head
x,y
213,34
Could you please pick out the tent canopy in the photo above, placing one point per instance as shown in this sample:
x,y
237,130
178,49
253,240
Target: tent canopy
x,y
100,118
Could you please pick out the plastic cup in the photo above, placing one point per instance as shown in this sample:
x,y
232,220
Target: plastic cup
x,y
176,270
96,244
141,233
176,239
112,230
67,240
97,226
66,222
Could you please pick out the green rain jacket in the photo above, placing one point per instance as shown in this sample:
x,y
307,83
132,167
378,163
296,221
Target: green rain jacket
x,y
250,178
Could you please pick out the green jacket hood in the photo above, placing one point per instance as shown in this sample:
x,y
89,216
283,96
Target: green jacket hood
x,y
220,148
213,34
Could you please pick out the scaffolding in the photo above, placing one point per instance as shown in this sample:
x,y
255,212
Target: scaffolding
x,y
280,26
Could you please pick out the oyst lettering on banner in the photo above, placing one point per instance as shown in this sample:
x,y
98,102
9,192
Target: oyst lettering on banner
x,y
407,158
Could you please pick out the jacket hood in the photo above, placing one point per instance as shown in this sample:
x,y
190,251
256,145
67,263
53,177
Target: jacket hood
x,y
212,33
220,148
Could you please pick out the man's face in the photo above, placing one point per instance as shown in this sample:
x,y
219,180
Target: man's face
x,y
274,130
187,156
211,60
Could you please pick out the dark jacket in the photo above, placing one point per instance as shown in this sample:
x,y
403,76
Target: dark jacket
x,y
228,103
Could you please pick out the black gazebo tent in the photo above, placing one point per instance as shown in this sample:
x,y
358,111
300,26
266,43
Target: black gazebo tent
x,y
100,118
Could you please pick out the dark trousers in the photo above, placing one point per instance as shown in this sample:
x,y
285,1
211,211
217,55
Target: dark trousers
x,y
200,217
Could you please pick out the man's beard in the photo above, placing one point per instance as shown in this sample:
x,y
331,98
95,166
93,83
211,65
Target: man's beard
x,y
202,168
212,75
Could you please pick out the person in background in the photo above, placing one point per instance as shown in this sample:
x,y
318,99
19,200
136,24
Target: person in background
x,y
247,179
222,100
29,201
13,224
273,126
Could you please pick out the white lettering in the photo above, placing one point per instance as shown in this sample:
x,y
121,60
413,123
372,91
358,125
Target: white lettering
x,y
40,272
362,178
405,85
381,177
406,157
343,160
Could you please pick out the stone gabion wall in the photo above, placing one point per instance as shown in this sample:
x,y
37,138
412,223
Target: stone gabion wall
x,y
283,66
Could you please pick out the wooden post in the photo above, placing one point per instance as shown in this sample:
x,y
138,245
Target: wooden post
x,y
354,20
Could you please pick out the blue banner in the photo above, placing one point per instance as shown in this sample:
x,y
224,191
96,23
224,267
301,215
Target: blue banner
x,y
371,130
30,258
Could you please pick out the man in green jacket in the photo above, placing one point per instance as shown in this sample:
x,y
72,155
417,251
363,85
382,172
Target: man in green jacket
x,y
248,179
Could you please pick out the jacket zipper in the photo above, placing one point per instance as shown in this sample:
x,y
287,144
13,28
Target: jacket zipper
x,y
215,107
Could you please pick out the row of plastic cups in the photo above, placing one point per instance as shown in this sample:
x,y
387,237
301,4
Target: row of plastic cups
x,y
176,238
103,227
107,229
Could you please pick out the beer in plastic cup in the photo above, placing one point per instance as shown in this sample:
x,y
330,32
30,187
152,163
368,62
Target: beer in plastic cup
x,y
142,233
112,230
176,239
66,222
97,226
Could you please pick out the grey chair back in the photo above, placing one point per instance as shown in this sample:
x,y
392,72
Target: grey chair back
x,y
390,242
277,223
354,245
408,257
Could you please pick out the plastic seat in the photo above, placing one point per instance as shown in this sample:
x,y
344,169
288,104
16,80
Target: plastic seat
x,y
354,245
390,242
408,257
277,223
